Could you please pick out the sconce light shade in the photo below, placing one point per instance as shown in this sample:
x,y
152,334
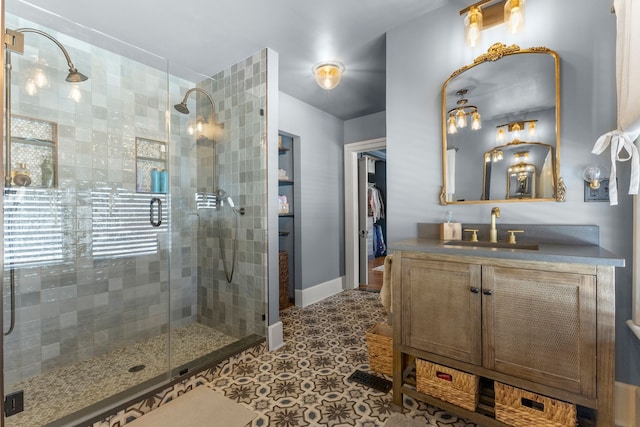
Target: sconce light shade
x,y
514,15
328,74
531,130
451,125
593,174
473,26
475,121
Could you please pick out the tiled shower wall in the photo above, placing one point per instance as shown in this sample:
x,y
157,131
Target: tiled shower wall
x,y
236,308
82,306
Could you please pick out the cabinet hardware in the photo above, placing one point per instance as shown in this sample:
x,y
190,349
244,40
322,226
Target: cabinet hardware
x,y
475,290
487,292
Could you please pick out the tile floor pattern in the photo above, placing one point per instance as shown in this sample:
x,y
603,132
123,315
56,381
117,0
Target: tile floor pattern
x,y
63,391
305,382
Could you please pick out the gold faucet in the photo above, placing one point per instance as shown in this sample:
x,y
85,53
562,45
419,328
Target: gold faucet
x,y
493,231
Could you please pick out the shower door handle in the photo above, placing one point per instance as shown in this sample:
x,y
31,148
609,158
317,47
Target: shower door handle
x,y
158,202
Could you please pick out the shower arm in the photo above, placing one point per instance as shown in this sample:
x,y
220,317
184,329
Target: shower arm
x,y
72,67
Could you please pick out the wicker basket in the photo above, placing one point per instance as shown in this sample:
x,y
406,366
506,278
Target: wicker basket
x,y
450,385
521,408
380,345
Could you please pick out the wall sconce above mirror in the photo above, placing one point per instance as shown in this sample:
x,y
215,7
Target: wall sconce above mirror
x,y
488,13
515,153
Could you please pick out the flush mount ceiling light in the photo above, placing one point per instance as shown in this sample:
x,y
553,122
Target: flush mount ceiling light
x,y
488,13
458,115
328,74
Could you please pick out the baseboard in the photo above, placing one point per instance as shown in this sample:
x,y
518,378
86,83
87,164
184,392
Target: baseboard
x,y
627,398
275,337
305,297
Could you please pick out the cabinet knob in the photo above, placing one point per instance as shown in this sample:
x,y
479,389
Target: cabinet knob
x,y
475,290
487,292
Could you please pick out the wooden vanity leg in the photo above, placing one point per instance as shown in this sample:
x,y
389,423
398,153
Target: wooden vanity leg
x,y
398,368
606,346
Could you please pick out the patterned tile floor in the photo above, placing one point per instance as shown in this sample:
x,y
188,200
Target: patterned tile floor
x,y
63,391
305,382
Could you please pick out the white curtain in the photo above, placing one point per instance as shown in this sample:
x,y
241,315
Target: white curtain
x,y
628,90
622,139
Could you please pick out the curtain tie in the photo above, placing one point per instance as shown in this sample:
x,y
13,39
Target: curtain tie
x,y
622,150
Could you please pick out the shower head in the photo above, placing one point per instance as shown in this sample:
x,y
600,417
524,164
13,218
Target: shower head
x,y
182,107
75,76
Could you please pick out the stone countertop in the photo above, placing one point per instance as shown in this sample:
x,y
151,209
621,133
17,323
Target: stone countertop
x,y
546,252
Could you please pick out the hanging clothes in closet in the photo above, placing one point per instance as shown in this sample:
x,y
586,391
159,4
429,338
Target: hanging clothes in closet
x,y
375,209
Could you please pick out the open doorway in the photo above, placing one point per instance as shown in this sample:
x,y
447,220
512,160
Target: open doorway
x,y
372,222
365,177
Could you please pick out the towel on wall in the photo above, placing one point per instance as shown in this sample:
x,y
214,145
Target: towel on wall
x,y
385,291
451,172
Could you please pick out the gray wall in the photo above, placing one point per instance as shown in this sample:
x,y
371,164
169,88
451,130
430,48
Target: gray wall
x,y
320,210
364,128
420,57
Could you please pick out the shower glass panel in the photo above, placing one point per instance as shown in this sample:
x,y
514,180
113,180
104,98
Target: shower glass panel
x,y
86,273
219,182
134,234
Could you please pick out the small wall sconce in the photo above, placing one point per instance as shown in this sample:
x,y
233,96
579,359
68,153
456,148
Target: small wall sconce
x,y
488,13
494,155
515,129
328,74
593,174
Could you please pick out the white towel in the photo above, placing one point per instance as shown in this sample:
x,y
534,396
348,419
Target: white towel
x,y
451,171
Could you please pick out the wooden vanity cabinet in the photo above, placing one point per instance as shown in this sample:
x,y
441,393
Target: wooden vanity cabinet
x,y
543,327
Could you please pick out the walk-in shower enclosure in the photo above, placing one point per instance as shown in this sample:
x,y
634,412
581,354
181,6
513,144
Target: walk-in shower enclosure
x,y
113,279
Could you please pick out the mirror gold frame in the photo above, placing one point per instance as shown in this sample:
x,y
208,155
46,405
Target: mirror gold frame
x,y
495,53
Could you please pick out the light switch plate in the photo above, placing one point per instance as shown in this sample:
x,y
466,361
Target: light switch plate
x,y
600,194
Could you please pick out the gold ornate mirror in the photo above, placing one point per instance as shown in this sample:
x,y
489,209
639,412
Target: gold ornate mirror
x,y
501,128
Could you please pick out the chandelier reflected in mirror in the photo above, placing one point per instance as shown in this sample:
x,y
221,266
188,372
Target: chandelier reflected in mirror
x,y
458,115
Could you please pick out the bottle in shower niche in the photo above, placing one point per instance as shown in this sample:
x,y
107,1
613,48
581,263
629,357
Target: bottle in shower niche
x,y
155,180
47,172
163,181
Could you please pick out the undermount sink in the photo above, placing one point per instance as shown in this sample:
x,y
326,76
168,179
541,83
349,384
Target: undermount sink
x,y
501,245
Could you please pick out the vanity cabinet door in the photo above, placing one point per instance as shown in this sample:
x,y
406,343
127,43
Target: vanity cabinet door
x,y
541,326
441,308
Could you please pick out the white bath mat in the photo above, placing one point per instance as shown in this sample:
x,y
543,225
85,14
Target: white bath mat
x,y
399,420
378,268
199,407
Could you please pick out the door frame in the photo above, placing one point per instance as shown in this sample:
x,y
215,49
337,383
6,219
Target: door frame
x,y
351,249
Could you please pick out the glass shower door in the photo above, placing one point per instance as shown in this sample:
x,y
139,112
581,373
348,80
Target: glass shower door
x,y
86,222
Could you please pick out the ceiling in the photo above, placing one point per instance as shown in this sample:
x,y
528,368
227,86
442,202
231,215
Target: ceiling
x,y
208,36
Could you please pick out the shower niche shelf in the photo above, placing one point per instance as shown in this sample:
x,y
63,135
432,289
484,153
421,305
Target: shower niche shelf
x,y
34,152
150,155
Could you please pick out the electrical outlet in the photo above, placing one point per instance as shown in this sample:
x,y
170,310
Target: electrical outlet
x,y
600,194
14,403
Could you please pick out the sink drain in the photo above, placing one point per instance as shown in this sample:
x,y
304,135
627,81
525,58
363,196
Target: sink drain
x,y
136,368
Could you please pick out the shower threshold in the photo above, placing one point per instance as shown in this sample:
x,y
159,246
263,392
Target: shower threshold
x,y
64,396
